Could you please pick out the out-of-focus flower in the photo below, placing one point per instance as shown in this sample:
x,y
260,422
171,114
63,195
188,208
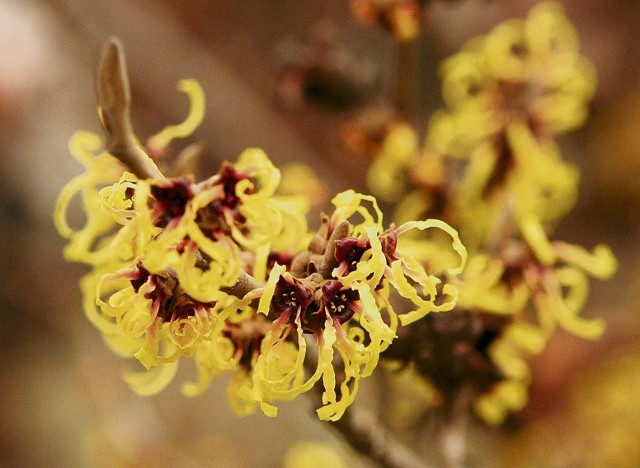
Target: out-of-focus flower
x,y
403,18
522,71
491,168
365,132
323,71
313,455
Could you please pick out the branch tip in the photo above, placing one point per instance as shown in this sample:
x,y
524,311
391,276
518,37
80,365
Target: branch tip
x,y
114,93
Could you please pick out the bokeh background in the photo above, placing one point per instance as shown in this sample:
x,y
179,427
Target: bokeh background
x,y
63,402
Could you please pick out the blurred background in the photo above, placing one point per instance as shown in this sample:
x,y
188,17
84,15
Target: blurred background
x,y
63,401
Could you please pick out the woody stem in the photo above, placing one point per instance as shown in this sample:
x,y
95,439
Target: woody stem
x,y
114,97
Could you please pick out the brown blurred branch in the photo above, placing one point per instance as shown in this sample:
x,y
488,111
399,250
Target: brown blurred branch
x,y
368,435
453,430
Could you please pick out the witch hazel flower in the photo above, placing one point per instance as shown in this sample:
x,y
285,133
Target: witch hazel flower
x,y
341,303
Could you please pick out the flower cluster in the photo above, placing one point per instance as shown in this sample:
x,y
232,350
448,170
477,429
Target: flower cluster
x,y
225,272
491,167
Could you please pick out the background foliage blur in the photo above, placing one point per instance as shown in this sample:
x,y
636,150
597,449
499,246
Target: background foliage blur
x,y
63,401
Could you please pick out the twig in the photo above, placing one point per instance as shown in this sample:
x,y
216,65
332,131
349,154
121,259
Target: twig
x,y
406,93
114,97
369,436
452,433
245,284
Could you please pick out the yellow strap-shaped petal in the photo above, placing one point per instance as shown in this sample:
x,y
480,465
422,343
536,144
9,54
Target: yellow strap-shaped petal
x,y
194,92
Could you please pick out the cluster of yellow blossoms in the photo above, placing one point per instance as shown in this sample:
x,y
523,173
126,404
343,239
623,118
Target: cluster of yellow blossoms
x,y
491,168
225,272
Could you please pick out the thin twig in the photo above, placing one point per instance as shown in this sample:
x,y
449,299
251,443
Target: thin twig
x,y
114,97
407,95
245,284
368,435
452,433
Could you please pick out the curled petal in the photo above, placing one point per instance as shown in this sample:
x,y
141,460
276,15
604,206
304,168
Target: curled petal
x,y
267,295
194,92
552,303
151,382
424,300
349,203
457,245
380,335
601,263
265,174
536,237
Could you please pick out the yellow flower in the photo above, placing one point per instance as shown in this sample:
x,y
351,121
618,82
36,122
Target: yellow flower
x,y
150,308
343,313
214,271
313,455
343,320
165,252
508,352
559,293
528,71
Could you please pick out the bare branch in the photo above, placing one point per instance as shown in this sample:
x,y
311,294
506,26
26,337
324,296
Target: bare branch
x,y
368,435
245,284
114,97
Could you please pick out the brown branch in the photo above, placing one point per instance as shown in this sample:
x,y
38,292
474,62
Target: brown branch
x,y
369,436
407,92
245,284
452,432
114,97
